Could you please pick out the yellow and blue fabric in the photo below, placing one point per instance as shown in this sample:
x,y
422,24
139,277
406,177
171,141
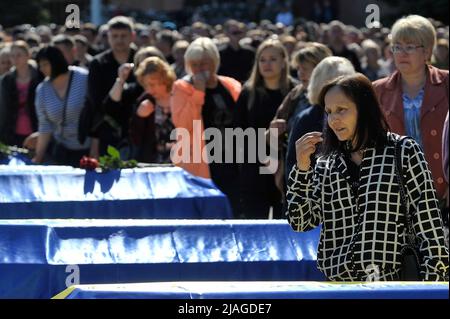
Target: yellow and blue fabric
x,y
260,290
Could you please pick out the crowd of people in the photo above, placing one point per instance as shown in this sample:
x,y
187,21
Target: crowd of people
x,y
338,98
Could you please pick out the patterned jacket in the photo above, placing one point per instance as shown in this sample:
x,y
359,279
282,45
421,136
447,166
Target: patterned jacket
x,y
324,196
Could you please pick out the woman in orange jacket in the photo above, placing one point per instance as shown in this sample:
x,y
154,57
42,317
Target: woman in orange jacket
x,y
201,100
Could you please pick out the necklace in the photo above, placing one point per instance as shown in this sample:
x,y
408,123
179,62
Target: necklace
x,y
349,148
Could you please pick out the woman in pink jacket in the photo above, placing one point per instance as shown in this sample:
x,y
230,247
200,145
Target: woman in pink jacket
x,y
204,100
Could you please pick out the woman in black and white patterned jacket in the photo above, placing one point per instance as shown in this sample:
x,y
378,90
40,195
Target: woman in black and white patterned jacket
x,y
353,191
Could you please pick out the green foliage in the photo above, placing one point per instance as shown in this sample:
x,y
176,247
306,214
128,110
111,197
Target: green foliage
x,y
113,161
113,152
6,150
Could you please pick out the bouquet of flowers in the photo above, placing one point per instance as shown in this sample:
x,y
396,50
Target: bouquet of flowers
x,y
107,162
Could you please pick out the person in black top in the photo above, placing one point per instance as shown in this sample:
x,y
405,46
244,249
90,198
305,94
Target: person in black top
x,y
217,112
165,40
304,62
66,44
18,88
81,51
236,60
120,106
338,46
102,75
269,83
89,30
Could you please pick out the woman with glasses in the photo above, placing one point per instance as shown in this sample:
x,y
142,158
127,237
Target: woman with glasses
x,y
415,97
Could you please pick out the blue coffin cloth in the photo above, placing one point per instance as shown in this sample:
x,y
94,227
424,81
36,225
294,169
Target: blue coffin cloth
x,y
34,192
16,160
261,290
39,258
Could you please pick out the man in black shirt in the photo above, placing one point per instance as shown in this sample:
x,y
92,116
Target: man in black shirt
x,y
236,61
102,75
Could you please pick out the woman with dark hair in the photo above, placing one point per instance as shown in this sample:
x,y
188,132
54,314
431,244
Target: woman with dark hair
x,y
59,100
312,117
354,191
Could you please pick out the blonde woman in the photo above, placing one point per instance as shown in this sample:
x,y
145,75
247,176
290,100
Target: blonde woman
x,y
304,61
415,97
121,102
151,124
200,100
263,93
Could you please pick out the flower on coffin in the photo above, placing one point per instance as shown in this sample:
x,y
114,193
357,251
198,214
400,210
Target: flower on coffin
x,y
112,160
88,163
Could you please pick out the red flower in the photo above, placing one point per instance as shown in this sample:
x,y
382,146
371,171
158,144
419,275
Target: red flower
x,y
88,163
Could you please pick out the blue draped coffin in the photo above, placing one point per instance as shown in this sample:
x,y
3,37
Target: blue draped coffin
x,y
34,192
40,258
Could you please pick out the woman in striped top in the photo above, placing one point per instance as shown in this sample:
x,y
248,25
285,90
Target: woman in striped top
x,y
59,100
353,191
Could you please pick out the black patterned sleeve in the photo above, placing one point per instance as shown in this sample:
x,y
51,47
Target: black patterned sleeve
x,y
303,199
426,218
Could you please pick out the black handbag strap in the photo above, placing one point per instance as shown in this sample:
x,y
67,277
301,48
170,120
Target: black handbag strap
x,y
66,99
399,173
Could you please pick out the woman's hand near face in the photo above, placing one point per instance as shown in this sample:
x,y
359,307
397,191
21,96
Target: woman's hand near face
x,y
145,108
199,80
280,125
304,147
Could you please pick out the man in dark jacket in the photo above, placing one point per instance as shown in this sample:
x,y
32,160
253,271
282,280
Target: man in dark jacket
x,y
236,61
102,75
338,46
